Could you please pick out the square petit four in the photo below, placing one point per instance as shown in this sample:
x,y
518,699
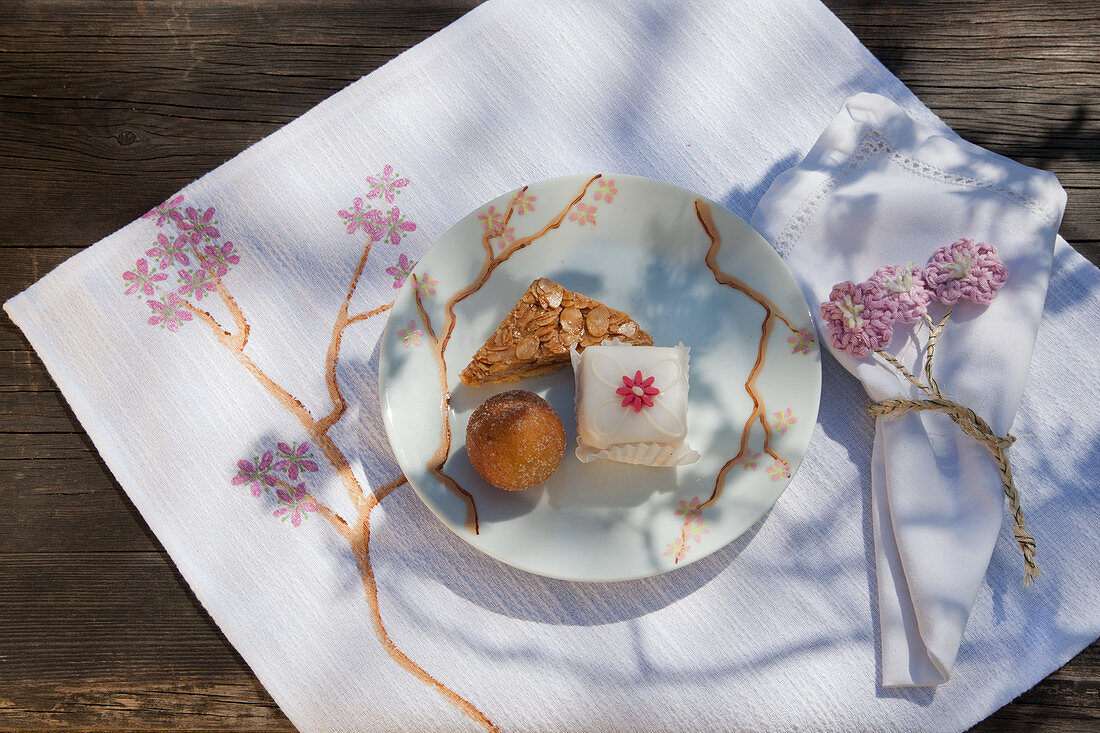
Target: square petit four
x,y
632,404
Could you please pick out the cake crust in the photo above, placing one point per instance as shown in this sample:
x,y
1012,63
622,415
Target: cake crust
x,y
535,337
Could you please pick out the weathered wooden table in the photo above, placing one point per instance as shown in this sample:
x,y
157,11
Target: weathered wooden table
x,y
108,107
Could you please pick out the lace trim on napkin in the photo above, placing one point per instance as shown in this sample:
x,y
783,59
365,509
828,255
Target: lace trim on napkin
x,y
874,144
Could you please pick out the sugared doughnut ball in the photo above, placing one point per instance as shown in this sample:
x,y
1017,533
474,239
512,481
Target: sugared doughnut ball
x,y
515,440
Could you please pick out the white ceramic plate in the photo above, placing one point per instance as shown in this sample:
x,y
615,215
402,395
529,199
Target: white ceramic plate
x,y
639,246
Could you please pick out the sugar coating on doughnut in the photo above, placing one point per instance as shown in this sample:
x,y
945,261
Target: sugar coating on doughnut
x,y
515,440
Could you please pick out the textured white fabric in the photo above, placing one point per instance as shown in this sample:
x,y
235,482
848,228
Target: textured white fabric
x,y
879,189
776,631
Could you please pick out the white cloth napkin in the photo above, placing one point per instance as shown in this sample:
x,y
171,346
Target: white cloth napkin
x,y
879,189
776,631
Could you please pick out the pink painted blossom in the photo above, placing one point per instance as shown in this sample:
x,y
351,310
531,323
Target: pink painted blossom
x,y
801,342
695,529
637,392
255,474
142,278
385,185
218,260
168,312
677,548
163,212
410,335
295,458
524,202
197,227
392,227
905,285
505,237
779,469
295,506
358,216
426,285
196,284
583,214
783,421
750,461
688,509
400,271
965,270
492,221
605,190
168,250
860,317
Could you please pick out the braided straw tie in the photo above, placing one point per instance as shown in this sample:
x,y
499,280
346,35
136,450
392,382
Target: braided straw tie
x,y
998,445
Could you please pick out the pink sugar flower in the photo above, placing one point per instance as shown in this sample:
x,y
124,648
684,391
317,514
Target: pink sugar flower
x,y
141,278
296,505
860,317
637,393
386,184
168,250
965,270
168,312
905,284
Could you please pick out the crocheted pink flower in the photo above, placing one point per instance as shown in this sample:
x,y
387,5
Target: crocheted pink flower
x,y
905,284
637,392
860,317
965,270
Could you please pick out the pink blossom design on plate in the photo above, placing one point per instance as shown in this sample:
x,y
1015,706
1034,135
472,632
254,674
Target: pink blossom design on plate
x,y
750,461
637,392
801,342
392,227
965,270
605,190
426,285
583,214
256,474
860,317
358,217
400,271
905,284
198,227
168,312
295,506
491,221
779,469
385,185
196,284
168,250
783,421
524,202
410,335
164,211
505,237
219,259
142,278
295,458
692,528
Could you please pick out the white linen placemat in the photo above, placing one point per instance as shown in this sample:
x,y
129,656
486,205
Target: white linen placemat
x,y
774,632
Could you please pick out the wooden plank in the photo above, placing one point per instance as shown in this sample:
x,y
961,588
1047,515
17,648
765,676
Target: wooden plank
x,y
229,701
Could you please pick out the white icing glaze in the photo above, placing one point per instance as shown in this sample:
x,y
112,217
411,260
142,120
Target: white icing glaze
x,y
655,434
